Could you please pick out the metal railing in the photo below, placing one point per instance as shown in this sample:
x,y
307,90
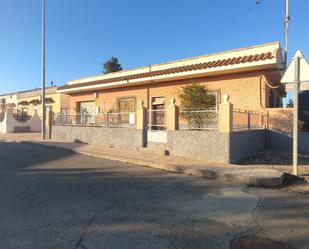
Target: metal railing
x,y
246,119
206,119
156,119
22,118
119,119
17,116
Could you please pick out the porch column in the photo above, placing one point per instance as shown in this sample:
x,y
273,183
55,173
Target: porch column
x,y
172,116
141,116
226,115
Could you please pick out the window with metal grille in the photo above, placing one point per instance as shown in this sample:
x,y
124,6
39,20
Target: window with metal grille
x,y
126,104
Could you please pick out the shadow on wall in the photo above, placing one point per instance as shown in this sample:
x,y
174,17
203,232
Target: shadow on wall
x,y
246,143
284,142
304,120
304,109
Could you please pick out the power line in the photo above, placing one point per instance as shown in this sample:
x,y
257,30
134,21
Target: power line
x,y
257,2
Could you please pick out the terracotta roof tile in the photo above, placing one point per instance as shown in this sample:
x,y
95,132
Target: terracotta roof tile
x,y
180,69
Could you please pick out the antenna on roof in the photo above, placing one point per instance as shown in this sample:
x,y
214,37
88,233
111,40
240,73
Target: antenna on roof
x,y
286,33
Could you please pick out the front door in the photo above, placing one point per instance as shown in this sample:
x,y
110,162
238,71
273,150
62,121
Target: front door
x,y
87,112
157,122
158,117
157,114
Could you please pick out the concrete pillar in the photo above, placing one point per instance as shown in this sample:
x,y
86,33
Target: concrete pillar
x,y
226,115
141,116
172,116
47,120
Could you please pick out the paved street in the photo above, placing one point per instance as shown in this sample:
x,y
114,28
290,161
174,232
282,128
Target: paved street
x,y
52,198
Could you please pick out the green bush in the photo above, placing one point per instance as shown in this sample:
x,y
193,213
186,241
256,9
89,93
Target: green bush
x,y
195,99
196,96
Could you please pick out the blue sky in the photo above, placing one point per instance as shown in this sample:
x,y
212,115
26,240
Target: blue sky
x,y
82,34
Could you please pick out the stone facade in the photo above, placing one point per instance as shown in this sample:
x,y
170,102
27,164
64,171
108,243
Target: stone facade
x,y
210,145
215,146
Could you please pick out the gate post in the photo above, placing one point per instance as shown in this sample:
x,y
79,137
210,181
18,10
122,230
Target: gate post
x,y
49,123
141,116
172,119
226,115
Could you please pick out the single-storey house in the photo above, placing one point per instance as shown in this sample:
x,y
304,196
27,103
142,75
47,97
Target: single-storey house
x,y
30,102
251,76
8,100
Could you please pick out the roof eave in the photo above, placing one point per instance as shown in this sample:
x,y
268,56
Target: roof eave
x,y
271,64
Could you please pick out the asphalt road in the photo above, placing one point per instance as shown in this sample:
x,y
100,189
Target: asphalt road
x,y
52,198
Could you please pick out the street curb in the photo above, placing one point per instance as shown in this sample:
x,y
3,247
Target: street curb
x,y
244,176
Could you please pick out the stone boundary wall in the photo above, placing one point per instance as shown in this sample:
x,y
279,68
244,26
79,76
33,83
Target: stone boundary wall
x,y
215,146
115,137
284,142
207,145
10,125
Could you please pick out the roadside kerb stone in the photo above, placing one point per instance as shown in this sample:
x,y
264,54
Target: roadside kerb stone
x,y
268,179
233,173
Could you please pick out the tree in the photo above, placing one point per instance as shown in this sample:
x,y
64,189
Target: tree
x,y
196,101
111,66
290,103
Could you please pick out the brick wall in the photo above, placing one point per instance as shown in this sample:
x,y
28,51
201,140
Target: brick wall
x,y
280,119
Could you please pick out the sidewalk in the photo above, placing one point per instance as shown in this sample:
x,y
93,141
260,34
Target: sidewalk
x,y
251,175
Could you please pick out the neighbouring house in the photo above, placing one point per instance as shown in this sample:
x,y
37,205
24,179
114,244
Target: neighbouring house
x,y
251,76
9,100
30,102
21,111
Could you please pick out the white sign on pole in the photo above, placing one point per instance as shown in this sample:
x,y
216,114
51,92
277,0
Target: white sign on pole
x,y
288,77
296,77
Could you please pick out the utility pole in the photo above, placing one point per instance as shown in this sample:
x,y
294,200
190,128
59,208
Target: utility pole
x,y
295,116
296,88
43,128
286,33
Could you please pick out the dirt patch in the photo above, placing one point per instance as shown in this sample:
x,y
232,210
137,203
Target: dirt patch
x,y
283,162
278,160
272,157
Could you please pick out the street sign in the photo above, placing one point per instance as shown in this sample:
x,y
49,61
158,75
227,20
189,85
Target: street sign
x,y
296,77
288,77
303,87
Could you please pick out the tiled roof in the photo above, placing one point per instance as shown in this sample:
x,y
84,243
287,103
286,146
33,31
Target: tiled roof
x,y
179,69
